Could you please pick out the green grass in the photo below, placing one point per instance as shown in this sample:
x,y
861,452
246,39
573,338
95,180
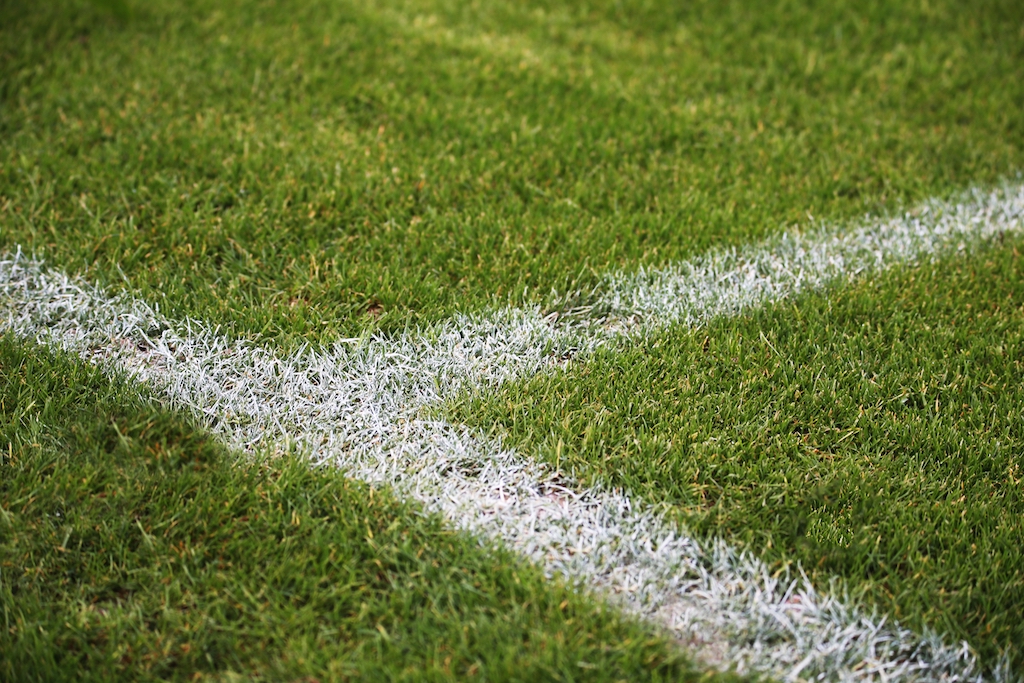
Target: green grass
x,y
873,433
133,547
303,170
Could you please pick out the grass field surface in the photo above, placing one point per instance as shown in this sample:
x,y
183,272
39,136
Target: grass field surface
x,y
361,407
872,433
304,170
663,303
136,548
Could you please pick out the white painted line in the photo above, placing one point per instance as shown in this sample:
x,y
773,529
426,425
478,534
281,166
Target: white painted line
x,y
365,407
727,282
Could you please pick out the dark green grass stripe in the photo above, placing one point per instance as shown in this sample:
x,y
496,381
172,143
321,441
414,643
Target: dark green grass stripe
x,y
874,433
309,169
134,548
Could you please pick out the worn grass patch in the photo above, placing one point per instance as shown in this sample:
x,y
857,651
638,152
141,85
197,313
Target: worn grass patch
x,y
132,547
872,433
303,170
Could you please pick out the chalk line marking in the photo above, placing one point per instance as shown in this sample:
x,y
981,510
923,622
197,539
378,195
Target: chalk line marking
x,y
365,407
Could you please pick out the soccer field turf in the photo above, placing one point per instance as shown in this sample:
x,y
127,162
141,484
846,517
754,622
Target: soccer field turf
x,y
585,290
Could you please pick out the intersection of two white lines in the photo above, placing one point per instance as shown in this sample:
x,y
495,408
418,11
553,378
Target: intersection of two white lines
x,y
363,405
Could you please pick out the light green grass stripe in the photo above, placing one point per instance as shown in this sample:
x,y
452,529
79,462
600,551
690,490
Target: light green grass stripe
x,y
362,406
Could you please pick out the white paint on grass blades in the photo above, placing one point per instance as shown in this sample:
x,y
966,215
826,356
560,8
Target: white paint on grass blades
x,y
728,282
365,406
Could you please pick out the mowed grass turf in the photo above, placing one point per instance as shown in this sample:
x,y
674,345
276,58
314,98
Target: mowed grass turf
x,y
307,169
873,433
299,171
133,547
